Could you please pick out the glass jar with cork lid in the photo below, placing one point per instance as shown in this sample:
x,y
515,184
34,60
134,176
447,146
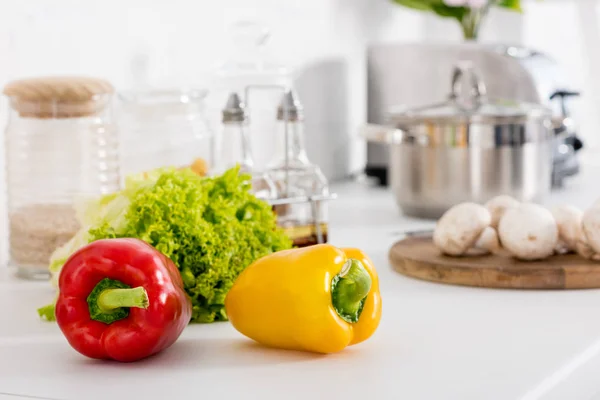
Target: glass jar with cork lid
x,y
60,146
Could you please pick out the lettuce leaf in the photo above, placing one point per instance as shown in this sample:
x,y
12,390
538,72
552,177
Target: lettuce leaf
x,y
110,210
211,227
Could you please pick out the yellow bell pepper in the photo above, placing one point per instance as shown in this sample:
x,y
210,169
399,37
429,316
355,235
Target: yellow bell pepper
x,y
317,298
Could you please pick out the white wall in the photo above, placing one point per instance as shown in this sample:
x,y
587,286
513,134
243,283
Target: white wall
x,y
183,39
324,40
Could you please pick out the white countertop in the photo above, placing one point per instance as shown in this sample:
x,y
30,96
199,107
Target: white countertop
x,y
435,341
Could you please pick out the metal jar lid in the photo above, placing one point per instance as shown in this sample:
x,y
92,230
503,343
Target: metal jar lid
x,y
472,107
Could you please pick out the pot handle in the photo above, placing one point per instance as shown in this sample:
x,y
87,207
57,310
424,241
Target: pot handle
x,y
380,133
477,89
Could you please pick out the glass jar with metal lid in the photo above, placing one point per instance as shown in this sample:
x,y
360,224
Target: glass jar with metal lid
x,y
61,145
467,148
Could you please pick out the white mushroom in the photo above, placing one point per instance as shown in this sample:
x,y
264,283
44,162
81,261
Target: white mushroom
x,y
569,223
582,246
498,206
465,229
584,250
528,232
591,231
487,242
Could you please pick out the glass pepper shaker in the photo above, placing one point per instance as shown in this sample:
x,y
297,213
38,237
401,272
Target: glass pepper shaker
x,y
234,148
234,145
296,177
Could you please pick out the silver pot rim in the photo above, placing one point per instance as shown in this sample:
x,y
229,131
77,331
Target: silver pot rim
x,y
407,120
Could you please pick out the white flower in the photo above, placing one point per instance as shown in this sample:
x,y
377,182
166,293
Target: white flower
x,y
456,3
477,3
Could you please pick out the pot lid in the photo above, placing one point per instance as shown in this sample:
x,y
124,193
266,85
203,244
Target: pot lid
x,y
469,103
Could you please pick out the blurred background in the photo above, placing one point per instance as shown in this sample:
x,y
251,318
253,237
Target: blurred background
x,y
326,44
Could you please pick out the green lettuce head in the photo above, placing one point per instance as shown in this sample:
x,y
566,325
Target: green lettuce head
x,y
211,227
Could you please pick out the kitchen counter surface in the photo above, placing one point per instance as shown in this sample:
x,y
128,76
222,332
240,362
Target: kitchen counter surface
x,y
434,342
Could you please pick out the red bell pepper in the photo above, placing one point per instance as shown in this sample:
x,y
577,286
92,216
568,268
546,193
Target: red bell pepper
x,y
121,299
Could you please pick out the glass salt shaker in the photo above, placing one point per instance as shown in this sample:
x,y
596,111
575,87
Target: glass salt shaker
x,y
295,177
234,148
234,145
61,145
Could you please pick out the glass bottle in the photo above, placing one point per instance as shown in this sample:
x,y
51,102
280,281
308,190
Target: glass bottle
x,y
249,61
295,178
165,128
252,69
234,148
234,145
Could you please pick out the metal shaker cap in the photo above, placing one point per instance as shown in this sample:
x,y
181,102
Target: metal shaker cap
x,y
293,106
234,110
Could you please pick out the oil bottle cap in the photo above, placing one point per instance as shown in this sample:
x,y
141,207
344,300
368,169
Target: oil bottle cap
x,y
234,109
292,105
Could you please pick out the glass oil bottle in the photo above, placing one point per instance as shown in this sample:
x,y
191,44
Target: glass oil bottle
x,y
296,178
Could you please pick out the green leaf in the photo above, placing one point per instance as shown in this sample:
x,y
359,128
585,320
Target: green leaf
x,y
441,9
436,6
450,12
510,4
47,312
415,4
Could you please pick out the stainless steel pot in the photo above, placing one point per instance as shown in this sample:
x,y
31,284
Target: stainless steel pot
x,y
467,148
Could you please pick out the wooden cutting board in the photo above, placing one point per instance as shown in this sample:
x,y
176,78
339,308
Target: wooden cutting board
x,y
419,258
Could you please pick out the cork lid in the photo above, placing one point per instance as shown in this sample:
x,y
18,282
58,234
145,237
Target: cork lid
x,y
59,96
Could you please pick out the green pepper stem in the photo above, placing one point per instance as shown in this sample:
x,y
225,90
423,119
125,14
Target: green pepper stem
x,y
110,299
349,290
